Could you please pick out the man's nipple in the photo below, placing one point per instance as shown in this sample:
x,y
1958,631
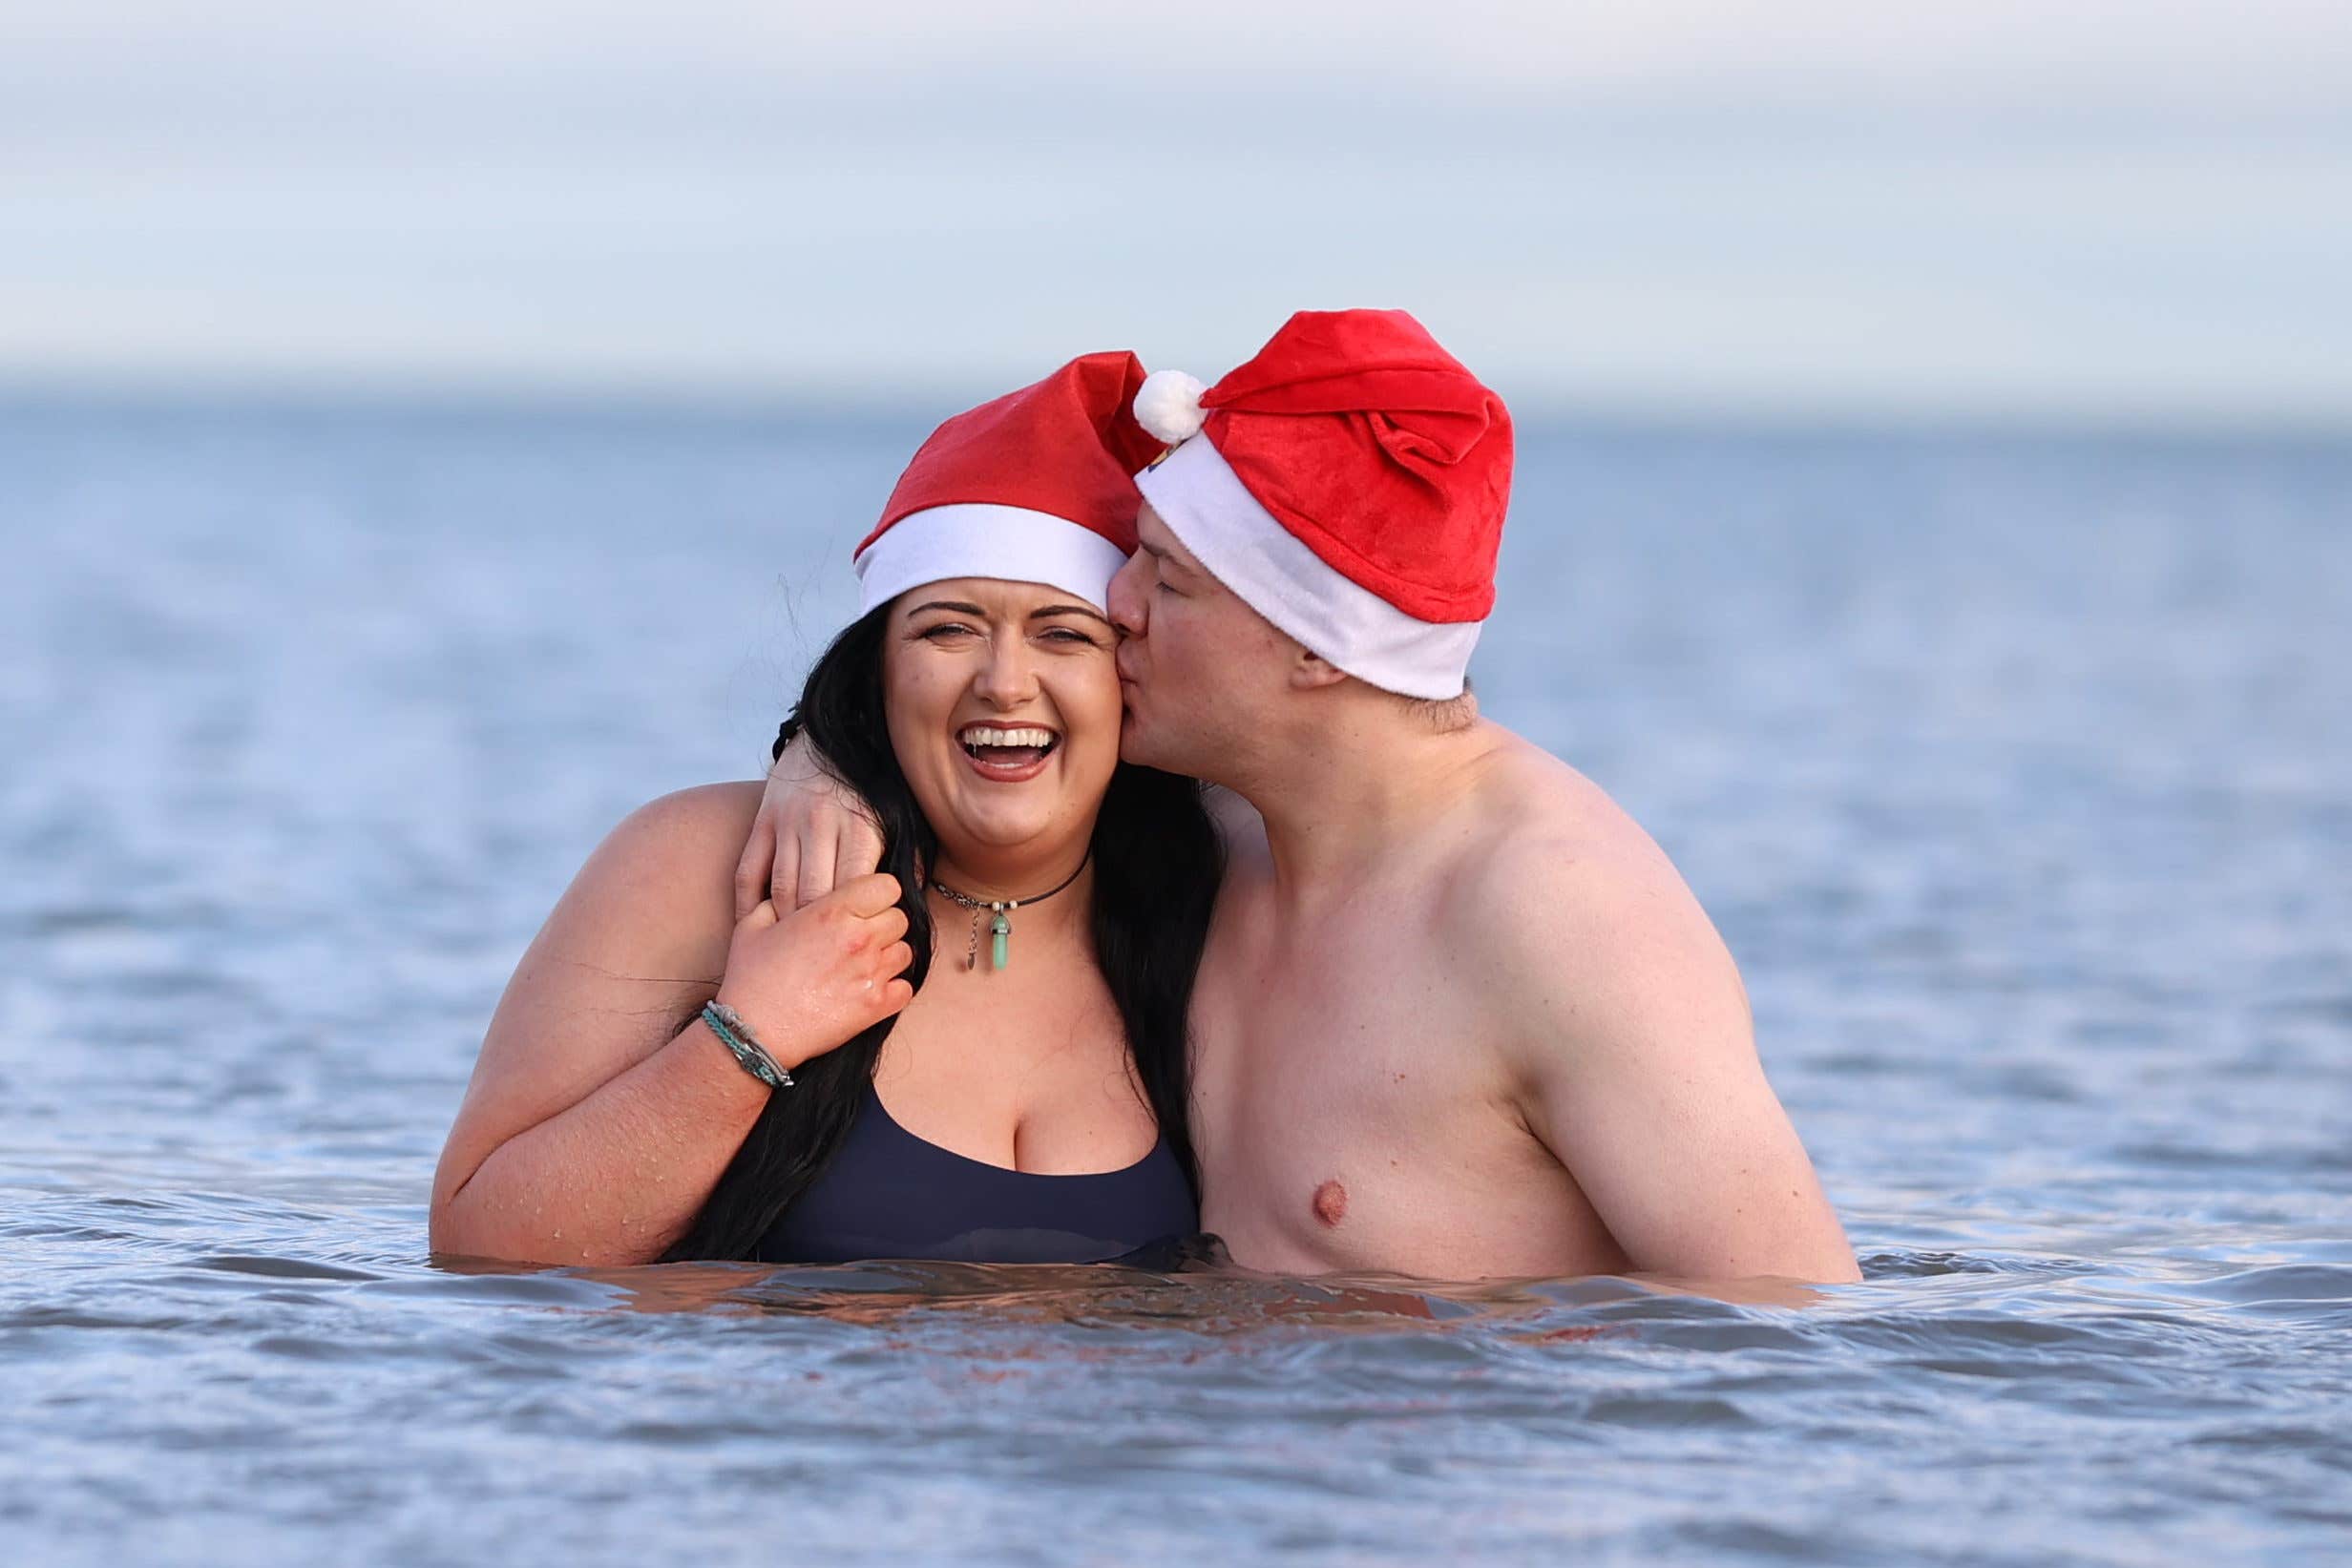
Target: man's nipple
x,y
1329,1202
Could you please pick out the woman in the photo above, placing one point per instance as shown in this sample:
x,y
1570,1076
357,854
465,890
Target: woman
x,y
665,1081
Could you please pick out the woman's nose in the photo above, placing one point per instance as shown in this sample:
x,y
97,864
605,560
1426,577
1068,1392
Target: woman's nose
x,y
1007,678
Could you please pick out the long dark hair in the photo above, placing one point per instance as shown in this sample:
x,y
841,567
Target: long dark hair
x,y
1156,865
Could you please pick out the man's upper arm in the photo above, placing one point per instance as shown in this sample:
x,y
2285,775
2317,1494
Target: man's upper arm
x,y
1637,1058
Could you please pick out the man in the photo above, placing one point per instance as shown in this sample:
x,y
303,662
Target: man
x,y
1458,1015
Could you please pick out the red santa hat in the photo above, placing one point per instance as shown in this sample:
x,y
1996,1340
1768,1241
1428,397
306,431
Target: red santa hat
x,y
1349,483
1032,487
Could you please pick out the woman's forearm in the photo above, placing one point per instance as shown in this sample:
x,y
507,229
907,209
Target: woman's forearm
x,y
617,1177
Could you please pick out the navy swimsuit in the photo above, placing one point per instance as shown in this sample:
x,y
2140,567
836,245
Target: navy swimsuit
x,y
889,1194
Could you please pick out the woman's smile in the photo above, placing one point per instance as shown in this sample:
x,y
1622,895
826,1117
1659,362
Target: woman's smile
x,y
1007,753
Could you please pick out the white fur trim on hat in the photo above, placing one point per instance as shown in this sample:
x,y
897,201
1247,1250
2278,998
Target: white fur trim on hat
x,y
1168,406
982,540
1245,547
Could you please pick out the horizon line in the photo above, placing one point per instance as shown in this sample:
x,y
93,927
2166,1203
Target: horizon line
x,y
913,400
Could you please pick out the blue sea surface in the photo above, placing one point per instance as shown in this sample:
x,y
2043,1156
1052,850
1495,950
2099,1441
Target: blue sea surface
x,y
2016,768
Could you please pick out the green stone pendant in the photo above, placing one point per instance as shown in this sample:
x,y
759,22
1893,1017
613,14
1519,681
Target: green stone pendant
x,y
1000,940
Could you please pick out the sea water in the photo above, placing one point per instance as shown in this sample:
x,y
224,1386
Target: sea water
x,y
2016,768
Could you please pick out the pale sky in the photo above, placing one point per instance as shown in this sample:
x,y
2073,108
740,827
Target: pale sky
x,y
2099,209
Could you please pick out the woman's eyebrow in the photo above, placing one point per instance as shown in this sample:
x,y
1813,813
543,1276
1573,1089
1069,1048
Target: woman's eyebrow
x,y
958,607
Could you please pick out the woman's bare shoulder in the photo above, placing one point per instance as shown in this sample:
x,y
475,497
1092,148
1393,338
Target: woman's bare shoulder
x,y
669,866
676,832
647,921
656,897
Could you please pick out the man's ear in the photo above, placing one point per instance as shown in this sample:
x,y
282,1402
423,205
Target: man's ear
x,y
1311,671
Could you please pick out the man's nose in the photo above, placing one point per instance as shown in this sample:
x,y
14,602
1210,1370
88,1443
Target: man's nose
x,y
1127,598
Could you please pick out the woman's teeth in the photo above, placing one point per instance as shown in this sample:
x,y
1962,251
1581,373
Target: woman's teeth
x,y
993,742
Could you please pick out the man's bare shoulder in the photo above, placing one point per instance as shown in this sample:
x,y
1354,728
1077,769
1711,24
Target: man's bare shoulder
x,y
1540,818
1562,901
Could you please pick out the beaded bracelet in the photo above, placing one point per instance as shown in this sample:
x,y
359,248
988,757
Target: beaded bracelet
x,y
736,1035
785,733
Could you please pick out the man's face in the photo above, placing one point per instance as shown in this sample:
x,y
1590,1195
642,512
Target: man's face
x,y
1197,667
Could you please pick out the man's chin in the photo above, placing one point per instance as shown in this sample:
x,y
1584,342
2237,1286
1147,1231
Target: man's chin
x,y
1134,746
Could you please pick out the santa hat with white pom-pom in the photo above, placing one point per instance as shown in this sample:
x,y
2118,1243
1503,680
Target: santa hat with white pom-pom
x,y
1349,483
1031,487
1170,406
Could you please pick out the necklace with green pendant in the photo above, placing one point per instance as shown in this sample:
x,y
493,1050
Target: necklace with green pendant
x,y
1000,914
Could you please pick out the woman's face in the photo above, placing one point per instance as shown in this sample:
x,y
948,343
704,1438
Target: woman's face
x,y
1004,711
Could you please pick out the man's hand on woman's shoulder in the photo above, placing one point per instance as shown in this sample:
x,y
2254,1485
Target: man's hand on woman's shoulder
x,y
812,834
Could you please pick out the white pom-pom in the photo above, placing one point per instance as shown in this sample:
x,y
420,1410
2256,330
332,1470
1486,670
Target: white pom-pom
x,y
1168,405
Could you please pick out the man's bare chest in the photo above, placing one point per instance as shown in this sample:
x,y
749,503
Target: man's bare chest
x,y
1328,1025
1346,1109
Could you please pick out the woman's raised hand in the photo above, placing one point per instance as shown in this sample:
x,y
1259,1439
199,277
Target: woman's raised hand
x,y
811,835
808,981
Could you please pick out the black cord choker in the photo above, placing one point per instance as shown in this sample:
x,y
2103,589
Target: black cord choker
x,y
1000,929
